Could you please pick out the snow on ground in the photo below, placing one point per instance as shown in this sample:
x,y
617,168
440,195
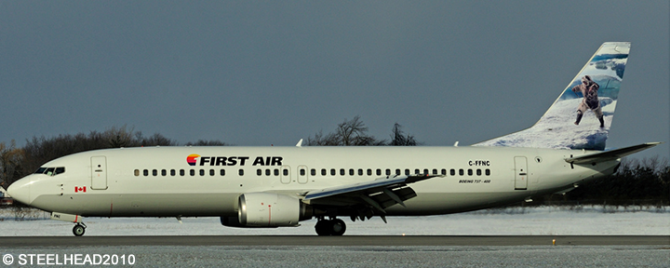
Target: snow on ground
x,y
581,220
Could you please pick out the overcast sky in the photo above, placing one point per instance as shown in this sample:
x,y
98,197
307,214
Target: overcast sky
x,y
261,73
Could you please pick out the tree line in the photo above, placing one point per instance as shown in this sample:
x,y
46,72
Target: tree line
x,y
645,181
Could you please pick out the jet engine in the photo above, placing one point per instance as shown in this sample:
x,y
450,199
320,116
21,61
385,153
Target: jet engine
x,y
268,210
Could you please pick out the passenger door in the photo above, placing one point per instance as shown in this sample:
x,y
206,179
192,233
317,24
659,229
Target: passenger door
x,y
520,173
285,174
98,173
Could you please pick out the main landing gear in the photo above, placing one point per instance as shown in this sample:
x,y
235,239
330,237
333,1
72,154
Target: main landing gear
x,y
332,227
79,229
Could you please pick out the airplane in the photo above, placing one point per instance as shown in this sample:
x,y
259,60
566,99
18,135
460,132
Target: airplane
x,y
269,187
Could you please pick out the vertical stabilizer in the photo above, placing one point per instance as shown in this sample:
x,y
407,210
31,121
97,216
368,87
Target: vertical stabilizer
x,y
581,116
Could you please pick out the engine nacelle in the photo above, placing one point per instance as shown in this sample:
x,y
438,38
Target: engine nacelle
x,y
271,210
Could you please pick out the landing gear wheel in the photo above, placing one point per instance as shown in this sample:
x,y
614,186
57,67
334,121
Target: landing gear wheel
x,y
78,230
334,227
322,228
337,227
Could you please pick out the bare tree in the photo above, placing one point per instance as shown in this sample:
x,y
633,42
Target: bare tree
x,y
398,139
207,143
348,133
11,159
120,136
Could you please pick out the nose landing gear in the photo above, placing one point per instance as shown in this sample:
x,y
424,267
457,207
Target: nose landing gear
x,y
79,229
333,227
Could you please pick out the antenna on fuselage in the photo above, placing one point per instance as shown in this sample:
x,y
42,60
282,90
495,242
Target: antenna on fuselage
x,y
456,144
299,143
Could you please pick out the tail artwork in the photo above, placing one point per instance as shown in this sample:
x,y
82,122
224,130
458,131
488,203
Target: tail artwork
x,y
582,115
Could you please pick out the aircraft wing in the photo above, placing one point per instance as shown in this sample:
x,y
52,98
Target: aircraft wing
x,y
610,155
374,195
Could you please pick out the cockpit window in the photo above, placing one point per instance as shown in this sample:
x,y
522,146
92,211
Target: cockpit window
x,y
59,170
50,171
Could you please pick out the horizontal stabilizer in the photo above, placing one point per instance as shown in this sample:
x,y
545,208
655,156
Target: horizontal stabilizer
x,y
610,155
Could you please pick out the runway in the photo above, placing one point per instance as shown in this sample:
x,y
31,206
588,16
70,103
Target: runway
x,y
32,242
346,251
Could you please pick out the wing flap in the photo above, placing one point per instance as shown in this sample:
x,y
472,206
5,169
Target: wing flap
x,y
379,194
367,187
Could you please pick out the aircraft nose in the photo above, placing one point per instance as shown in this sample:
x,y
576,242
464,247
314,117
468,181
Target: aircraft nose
x,y
20,190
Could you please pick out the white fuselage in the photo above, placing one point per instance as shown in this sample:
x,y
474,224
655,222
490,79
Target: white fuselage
x,y
120,188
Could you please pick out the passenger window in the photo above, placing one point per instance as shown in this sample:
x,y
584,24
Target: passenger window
x,y
268,172
332,172
323,172
259,172
241,172
417,171
276,172
360,172
369,172
425,172
302,172
388,172
341,172
379,172
163,172
397,171
211,172
479,172
469,172
222,172
202,172
351,172
137,172
181,172
146,172
172,172
434,171
407,171
154,172
444,171
453,172
461,172
192,172
488,172
312,172
285,171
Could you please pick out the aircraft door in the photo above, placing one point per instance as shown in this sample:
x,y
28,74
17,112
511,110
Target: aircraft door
x,y
520,173
98,173
285,174
302,174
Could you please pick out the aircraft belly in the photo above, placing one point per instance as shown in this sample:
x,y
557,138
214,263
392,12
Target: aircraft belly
x,y
141,205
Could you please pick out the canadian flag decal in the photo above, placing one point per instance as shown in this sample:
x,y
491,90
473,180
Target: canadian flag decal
x,y
79,189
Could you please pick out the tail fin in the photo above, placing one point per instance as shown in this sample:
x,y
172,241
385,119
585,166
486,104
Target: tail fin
x,y
581,116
